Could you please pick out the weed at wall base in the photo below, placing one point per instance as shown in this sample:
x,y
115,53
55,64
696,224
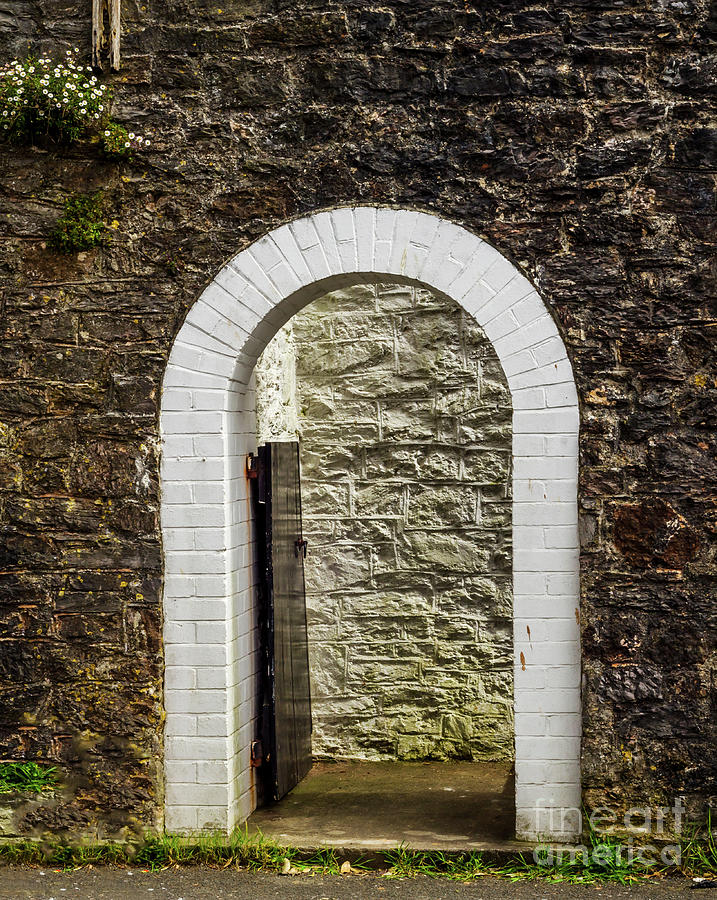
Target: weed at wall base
x,y
26,776
254,852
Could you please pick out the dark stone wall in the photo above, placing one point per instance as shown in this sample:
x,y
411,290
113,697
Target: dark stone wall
x,y
578,137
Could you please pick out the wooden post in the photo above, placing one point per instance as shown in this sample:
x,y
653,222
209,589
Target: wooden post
x,y
97,33
115,34
99,39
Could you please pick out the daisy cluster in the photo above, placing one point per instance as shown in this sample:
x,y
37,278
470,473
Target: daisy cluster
x,y
61,99
117,141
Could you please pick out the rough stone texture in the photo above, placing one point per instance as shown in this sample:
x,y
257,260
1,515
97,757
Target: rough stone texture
x,y
578,138
409,594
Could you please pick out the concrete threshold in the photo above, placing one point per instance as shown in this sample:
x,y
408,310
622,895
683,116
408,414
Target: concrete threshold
x,y
362,808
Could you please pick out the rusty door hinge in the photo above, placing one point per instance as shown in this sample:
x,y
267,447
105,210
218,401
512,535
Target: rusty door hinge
x,y
252,466
257,754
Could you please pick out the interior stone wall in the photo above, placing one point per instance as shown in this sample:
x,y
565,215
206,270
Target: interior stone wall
x,y
404,418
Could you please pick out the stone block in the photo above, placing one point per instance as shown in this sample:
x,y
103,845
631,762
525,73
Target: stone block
x,y
400,603
323,409
337,566
380,385
486,429
428,345
408,420
327,669
330,462
334,433
457,728
358,297
487,466
441,507
420,463
365,530
378,499
346,357
325,498
415,747
380,670
443,551
398,298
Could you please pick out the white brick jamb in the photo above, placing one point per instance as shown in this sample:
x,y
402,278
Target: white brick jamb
x,y
208,425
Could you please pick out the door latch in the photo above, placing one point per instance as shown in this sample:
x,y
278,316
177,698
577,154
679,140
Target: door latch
x,y
300,545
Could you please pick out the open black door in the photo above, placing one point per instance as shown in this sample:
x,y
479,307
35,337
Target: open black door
x,y
286,706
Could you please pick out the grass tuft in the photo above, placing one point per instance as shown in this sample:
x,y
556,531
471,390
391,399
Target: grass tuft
x,y
699,849
26,776
604,860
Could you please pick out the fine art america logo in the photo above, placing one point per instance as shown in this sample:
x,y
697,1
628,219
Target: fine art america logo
x,y
624,840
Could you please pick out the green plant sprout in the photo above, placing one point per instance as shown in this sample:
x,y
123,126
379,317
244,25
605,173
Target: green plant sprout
x,y
81,225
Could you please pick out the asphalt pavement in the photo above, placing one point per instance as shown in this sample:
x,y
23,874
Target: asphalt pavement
x,y
18,883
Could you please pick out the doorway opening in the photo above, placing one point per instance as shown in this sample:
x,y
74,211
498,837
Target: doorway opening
x,y
402,414
207,422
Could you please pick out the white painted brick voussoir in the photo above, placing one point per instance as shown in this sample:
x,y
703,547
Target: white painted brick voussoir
x,y
323,224
365,229
479,263
285,242
439,267
402,231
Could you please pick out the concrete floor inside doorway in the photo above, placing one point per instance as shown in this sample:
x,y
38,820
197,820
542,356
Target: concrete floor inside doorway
x,y
379,805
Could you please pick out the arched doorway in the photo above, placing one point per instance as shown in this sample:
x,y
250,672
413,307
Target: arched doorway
x,y
207,426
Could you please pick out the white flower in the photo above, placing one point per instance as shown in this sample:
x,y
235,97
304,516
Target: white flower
x,y
101,108
131,135
58,105
107,134
146,143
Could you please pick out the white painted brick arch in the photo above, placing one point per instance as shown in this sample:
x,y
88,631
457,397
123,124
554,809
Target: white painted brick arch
x,y
208,427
